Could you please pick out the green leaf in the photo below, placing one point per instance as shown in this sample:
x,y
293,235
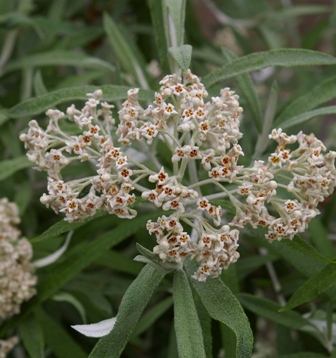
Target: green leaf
x,y
40,104
57,338
132,305
64,226
147,253
3,117
176,9
187,325
301,255
39,87
247,90
223,306
323,92
279,57
67,297
11,166
32,336
293,11
58,58
158,23
270,310
304,117
152,315
320,238
205,321
302,355
123,51
182,55
119,262
75,260
315,285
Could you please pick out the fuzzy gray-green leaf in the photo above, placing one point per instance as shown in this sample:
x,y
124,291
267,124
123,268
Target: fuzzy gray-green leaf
x,y
285,57
223,306
187,325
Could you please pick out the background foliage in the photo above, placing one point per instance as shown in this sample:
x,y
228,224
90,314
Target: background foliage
x,y
53,53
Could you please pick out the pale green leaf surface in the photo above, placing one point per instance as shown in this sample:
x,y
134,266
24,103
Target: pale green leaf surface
x,y
182,55
32,336
158,22
223,306
205,321
11,166
57,339
279,57
187,325
176,9
247,90
306,116
40,104
58,58
132,305
315,285
323,92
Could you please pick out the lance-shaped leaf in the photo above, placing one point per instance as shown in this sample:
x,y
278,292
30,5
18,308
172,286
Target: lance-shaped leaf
x,y
58,58
64,226
160,32
270,310
301,255
182,55
40,104
132,305
304,117
223,306
187,325
11,166
74,261
57,338
32,336
323,92
279,57
247,90
320,282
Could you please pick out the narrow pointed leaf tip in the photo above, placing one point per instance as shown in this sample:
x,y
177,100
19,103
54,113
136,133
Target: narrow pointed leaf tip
x,y
182,55
96,330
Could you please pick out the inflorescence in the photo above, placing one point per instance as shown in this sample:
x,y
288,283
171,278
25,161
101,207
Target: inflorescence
x,y
17,279
200,140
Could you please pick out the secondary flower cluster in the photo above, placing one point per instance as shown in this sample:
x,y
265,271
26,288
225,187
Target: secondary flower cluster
x,y
17,280
7,345
200,140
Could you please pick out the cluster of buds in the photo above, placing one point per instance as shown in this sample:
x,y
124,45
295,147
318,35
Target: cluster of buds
x,y
17,280
200,139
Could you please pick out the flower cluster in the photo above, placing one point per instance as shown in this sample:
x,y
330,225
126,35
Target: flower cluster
x,y
304,177
17,280
53,150
7,345
199,138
